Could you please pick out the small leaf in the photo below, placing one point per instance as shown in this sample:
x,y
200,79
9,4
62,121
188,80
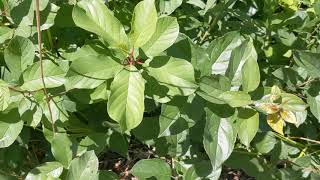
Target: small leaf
x,y
144,22
84,167
53,76
61,148
275,122
165,35
10,128
236,98
176,74
4,95
275,93
288,116
148,168
45,171
167,7
126,101
94,16
19,55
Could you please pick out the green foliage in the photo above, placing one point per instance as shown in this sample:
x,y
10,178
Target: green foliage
x,y
159,89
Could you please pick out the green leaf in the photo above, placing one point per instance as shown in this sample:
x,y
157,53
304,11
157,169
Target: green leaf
x,y
118,143
250,73
91,71
45,171
167,31
218,138
5,33
144,22
166,7
10,128
94,141
292,102
309,61
265,142
202,170
53,76
106,175
211,87
313,99
220,51
236,98
170,120
4,95
210,4
19,55
126,101
61,148
176,74
148,168
22,12
248,125
94,16
84,167
148,130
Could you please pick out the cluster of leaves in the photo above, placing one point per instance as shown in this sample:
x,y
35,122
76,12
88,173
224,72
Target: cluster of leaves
x,y
195,85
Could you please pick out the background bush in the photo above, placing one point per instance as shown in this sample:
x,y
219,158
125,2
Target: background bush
x,y
168,89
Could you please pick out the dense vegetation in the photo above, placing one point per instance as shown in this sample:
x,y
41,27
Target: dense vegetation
x,y
169,89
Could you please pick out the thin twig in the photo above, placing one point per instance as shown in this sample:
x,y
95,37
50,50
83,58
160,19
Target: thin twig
x,y
306,139
41,65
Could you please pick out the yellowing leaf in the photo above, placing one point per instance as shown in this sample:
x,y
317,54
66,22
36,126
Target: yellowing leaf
x,y
268,108
288,116
275,122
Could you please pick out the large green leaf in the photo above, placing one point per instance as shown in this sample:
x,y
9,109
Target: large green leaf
x,y
61,148
19,55
4,95
144,22
218,138
248,125
53,76
165,35
84,167
174,73
126,101
45,171
10,127
148,168
91,71
309,61
94,16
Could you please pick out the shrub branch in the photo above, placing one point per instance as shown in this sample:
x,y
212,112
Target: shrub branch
x,y
41,65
